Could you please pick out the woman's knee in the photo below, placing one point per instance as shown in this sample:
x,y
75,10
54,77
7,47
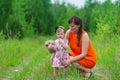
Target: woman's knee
x,y
76,64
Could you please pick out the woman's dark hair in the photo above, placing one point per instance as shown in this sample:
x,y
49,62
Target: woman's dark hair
x,y
77,21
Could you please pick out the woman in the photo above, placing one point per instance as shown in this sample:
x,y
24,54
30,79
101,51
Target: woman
x,y
83,54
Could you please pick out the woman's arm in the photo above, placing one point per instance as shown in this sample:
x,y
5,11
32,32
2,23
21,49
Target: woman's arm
x,y
85,40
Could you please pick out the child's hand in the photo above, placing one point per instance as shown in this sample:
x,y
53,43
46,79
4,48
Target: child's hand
x,y
64,45
61,41
51,59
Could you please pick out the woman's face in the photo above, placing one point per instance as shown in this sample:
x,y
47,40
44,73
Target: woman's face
x,y
74,27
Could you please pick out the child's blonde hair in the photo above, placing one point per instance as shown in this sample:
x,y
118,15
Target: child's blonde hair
x,y
50,44
59,28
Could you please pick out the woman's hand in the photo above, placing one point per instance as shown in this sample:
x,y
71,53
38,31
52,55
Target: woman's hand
x,y
68,62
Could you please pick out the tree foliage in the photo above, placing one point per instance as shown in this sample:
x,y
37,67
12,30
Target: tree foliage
x,y
26,18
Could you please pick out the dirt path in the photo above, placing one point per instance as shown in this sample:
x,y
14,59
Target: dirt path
x,y
19,68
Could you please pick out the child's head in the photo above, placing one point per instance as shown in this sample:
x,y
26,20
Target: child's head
x,y
60,32
50,44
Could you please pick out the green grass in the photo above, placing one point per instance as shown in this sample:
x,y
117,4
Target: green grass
x,y
28,59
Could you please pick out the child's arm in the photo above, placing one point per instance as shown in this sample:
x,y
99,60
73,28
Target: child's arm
x,y
64,43
51,58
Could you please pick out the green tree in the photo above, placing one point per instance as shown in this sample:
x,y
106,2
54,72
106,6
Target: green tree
x,y
5,10
38,13
88,16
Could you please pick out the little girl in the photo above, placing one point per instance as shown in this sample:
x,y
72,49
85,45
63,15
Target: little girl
x,y
61,54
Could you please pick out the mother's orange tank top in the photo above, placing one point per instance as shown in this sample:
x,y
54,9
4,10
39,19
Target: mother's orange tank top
x,y
76,50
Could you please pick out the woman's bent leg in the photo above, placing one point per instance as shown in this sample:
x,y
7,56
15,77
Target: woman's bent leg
x,y
88,71
78,66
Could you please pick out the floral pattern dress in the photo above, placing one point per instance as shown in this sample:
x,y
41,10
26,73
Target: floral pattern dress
x,y
61,55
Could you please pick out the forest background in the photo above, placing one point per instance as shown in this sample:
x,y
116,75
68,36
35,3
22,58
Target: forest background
x,y
26,24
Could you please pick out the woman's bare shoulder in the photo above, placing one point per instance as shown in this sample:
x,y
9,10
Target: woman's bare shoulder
x,y
85,36
67,33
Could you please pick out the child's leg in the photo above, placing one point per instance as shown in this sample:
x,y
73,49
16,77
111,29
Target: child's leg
x,y
63,70
55,71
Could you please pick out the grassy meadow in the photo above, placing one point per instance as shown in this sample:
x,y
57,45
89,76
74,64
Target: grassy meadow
x,y
28,59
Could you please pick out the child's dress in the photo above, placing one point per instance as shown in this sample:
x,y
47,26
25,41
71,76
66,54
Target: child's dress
x,y
61,55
